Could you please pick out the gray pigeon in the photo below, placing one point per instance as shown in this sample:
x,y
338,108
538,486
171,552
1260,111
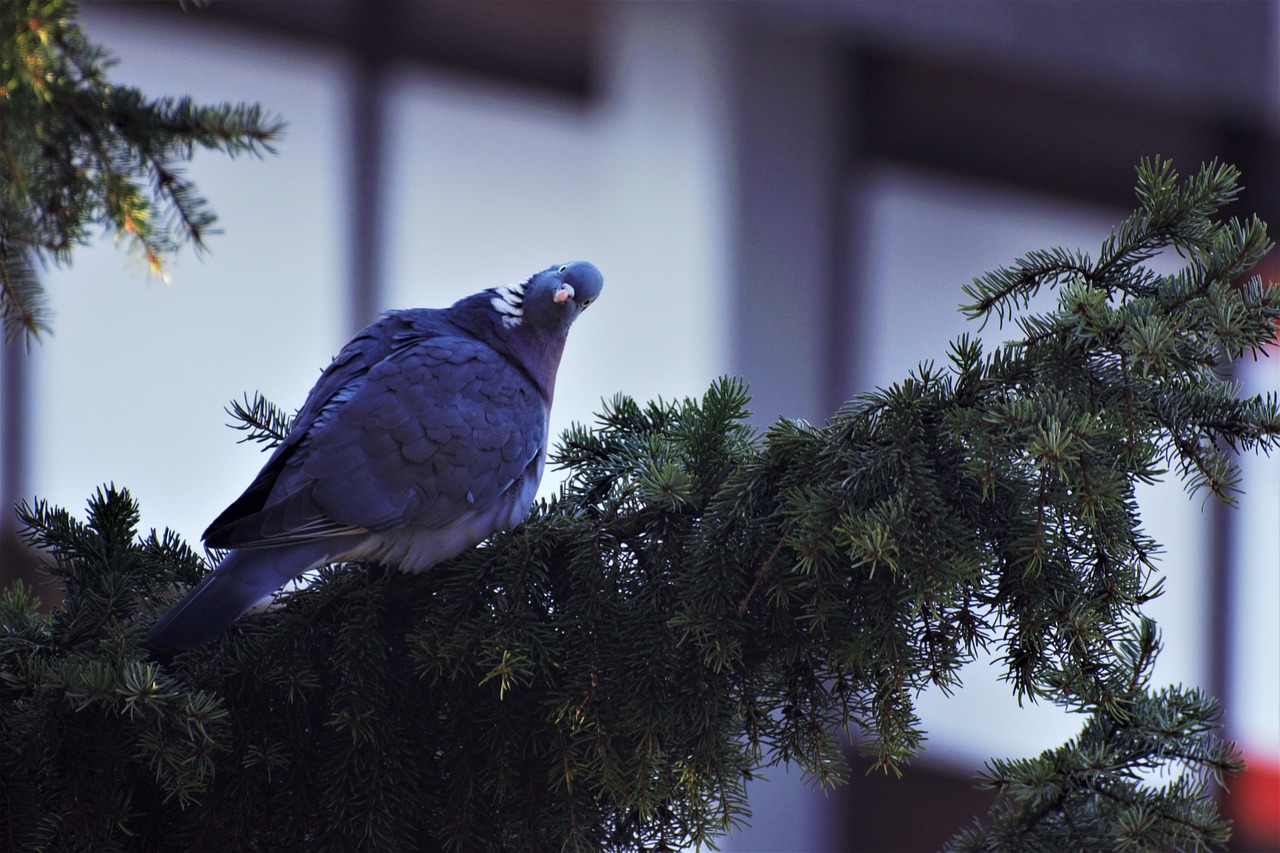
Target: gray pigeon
x,y
425,435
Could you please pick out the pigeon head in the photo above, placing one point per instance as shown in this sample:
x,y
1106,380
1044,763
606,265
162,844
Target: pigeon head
x,y
549,302
535,316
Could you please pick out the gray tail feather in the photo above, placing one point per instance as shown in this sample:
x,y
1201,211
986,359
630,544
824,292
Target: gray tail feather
x,y
240,581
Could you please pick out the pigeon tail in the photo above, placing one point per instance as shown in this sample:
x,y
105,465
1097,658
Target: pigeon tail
x,y
241,580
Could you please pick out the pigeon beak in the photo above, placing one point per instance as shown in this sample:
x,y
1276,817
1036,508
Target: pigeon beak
x,y
564,293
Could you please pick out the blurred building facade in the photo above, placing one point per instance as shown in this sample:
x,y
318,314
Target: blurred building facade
x,y
793,192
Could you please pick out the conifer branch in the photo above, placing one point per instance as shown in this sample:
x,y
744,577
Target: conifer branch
x,y
22,304
78,153
261,420
1086,793
699,603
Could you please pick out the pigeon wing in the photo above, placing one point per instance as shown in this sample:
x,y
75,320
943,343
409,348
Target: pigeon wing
x,y
430,435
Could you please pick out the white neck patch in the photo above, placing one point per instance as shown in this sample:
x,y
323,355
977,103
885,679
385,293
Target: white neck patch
x,y
509,302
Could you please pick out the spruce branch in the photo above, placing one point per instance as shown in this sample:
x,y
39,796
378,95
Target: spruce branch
x,y
1101,790
261,420
701,602
22,303
78,153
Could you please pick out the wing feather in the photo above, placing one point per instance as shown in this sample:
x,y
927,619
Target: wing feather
x,y
422,438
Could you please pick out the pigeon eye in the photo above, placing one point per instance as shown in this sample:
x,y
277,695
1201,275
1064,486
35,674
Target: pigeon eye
x,y
586,302
563,267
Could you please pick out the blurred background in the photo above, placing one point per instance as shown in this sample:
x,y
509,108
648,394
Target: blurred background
x,y
793,192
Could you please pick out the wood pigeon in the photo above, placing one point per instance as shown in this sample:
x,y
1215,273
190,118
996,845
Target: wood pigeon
x,y
426,434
